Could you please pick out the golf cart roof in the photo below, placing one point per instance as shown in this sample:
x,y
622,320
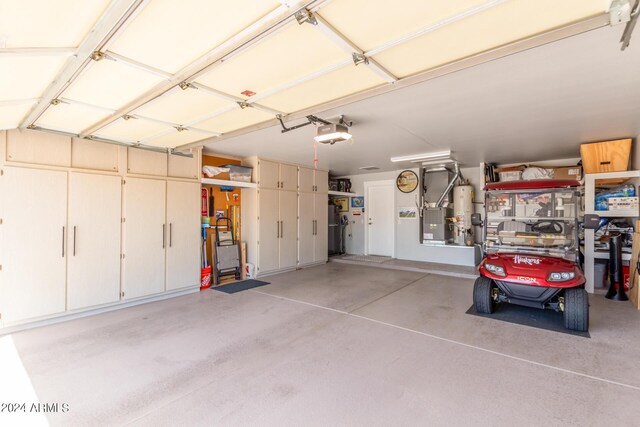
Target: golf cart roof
x,y
536,184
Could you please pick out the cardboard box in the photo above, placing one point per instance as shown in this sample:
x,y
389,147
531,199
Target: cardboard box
x,y
567,172
622,203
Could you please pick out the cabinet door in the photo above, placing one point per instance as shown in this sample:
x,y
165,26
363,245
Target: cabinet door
x,y
144,237
306,228
305,180
321,181
28,146
146,162
269,230
268,174
93,275
288,229
289,177
33,208
183,166
96,155
183,240
322,227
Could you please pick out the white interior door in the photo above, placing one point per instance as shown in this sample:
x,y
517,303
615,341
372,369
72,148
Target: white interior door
x,y
95,203
380,220
306,228
288,229
269,230
322,227
144,237
183,251
33,208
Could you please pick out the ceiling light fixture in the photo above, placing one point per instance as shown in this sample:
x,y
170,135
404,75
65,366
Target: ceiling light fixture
x,y
424,156
332,133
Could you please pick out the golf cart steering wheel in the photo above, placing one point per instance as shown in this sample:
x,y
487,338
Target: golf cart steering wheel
x,y
547,227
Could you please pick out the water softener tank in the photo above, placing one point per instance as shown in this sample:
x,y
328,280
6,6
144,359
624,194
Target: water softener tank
x,y
463,205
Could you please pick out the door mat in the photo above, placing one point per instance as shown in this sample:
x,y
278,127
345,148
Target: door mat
x,y
528,316
242,285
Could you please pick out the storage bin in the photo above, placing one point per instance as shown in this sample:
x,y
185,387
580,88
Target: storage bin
x,y
510,176
608,156
239,173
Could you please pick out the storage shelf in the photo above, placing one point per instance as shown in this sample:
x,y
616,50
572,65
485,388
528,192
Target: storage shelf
x,y
227,183
619,213
341,193
626,256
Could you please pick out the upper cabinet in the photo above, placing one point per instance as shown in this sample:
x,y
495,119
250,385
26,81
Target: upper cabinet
x,y
313,180
27,146
268,174
183,166
86,154
146,162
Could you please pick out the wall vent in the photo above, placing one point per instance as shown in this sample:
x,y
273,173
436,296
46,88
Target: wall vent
x,y
369,168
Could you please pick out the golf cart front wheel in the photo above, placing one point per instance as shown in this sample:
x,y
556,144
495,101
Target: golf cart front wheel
x,y
576,309
483,295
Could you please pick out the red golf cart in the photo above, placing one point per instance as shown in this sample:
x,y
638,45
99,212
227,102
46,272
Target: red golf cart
x,y
531,250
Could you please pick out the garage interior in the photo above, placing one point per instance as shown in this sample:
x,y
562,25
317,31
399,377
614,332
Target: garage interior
x,y
289,212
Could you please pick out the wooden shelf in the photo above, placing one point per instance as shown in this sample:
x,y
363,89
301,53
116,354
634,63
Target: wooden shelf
x,y
341,193
227,183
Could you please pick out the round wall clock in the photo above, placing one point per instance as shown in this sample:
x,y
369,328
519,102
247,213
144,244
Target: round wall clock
x,y
407,181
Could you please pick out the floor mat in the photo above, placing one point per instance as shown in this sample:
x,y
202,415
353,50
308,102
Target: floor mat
x,y
368,258
242,285
527,316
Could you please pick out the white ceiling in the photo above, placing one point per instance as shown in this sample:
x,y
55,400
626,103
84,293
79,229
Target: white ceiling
x,y
89,66
535,105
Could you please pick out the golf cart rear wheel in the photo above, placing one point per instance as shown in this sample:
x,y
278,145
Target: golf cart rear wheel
x,y
483,295
576,309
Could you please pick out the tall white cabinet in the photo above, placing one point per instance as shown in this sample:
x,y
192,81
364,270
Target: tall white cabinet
x,y
33,243
86,226
285,218
312,216
93,274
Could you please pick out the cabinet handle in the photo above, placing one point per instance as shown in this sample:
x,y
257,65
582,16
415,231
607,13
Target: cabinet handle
x,y
278,228
74,240
170,234
63,241
163,237
281,229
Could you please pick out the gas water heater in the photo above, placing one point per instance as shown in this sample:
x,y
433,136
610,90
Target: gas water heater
x,y
462,210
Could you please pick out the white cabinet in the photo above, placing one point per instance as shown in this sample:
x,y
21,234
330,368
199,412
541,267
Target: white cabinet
x,y
146,162
277,175
86,154
312,228
33,250
182,166
28,146
269,230
93,275
145,237
321,250
306,228
313,180
288,243
183,240
285,219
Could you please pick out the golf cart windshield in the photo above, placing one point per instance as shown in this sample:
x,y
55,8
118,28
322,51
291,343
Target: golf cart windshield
x,y
540,221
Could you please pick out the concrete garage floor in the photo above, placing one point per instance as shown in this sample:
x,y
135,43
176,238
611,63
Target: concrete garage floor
x,y
332,345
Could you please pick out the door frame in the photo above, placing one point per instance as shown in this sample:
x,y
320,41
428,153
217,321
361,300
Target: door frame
x,y
367,185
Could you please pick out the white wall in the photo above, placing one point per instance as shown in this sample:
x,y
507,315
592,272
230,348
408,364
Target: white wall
x,y
407,241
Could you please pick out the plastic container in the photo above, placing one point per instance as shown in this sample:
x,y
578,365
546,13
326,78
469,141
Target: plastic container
x,y
205,278
510,176
239,173
250,271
